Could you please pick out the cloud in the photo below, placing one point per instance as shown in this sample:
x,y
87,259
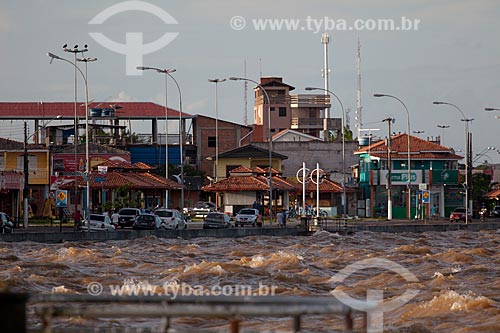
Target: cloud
x,y
196,106
123,97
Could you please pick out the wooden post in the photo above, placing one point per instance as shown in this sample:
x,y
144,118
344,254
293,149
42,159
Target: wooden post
x,y
13,312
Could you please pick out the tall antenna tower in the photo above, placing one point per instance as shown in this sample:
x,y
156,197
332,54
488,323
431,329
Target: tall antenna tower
x,y
245,94
325,40
359,123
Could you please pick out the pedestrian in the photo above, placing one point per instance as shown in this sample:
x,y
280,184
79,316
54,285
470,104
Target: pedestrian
x,y
78,220
434,212
283,216
115,218
279,219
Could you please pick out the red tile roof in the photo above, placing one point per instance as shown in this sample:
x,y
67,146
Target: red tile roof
x,y
419,149
326,186
246,179
241,169
49,110
493,194
236,184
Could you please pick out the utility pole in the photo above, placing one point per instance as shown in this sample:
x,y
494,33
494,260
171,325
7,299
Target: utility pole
x,y
389,121
26,178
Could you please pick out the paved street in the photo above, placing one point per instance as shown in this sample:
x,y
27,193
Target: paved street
x,y
291,223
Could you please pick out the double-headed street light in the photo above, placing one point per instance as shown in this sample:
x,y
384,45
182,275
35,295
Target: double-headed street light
x,y
270,142
87,161
344,199
166,72
408,150
467,152
216,81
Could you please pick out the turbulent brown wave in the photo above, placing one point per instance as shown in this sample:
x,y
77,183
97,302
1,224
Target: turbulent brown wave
x,y
458,272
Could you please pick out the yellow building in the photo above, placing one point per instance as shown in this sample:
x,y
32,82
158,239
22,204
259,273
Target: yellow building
x,y
249,156
12,175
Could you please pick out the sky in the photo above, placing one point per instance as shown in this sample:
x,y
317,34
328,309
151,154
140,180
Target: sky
x,y
452,56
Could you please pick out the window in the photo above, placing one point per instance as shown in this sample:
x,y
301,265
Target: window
x,y
229,168
211,141
282,111
271,108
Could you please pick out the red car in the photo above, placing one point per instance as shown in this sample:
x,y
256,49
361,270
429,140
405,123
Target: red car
x,y
458,214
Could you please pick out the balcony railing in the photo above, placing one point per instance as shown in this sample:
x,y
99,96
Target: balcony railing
x,y
297,101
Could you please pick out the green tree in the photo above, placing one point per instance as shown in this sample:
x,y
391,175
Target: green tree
x,y
481,184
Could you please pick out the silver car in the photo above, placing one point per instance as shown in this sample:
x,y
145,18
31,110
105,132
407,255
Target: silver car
x,y
171,218
248,216
99,222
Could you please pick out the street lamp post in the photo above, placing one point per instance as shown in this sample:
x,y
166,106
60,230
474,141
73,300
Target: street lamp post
x,y
408,186
467,152
270,142
87,161
443,127
75,50
166,72
389,121
483,153
344,198
216,174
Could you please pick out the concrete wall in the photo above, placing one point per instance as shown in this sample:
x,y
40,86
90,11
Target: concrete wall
x,y
229,136
328,155
133,234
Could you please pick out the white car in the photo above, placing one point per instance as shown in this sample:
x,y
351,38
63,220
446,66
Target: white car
x,y
171,219
99,222
202,208
248,216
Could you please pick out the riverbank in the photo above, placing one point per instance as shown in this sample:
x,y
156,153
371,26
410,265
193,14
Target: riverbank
x,y
55,234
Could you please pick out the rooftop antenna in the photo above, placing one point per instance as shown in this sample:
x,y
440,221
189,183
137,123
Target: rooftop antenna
x,y
245,94
359,123
325,40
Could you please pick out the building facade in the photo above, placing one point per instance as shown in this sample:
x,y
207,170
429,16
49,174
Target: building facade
x,y
433,168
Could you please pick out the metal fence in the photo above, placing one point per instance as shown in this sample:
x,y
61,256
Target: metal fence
x,y
50,308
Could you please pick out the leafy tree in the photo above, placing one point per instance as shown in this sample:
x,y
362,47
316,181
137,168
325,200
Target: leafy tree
x,y
481,184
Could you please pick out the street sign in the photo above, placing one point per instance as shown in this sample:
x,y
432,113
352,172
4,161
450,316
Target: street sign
x,y
422,186
102,169
61,198
426,196
101,179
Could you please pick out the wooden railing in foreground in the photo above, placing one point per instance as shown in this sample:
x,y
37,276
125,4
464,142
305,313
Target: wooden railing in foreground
x,y
233,308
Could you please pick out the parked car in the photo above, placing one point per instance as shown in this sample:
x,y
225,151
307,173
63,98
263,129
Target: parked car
x,y
128,216
248,216
496,211
458,214
99,222
217,220
202,208
171,218
147,221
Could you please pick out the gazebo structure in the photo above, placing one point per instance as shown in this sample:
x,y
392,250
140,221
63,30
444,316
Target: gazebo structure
x,y
247,187
116,184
